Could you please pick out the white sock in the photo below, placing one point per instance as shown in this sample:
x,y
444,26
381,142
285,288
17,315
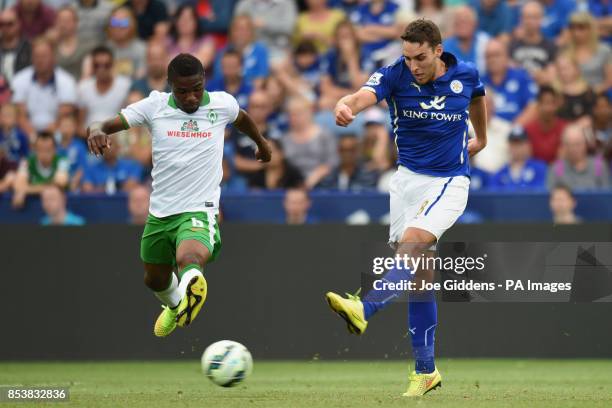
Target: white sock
x,y
171,296
186,278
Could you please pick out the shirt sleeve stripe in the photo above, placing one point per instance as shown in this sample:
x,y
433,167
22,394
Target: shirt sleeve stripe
x,y
369,88
124,121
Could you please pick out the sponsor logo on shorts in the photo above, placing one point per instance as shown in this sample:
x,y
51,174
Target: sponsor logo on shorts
x,y
422,208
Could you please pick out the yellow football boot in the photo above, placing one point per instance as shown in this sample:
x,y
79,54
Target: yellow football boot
x,y
421,384
192,301
350,309
166,322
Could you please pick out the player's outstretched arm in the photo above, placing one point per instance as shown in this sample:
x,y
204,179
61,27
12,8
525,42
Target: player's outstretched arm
x,y
245,124
478,116
98,134
350,105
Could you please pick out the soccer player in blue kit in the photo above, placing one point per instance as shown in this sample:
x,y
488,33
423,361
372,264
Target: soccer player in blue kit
x,y
431,96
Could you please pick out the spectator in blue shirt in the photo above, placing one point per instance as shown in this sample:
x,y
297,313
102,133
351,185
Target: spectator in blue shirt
x,y
73,149
232,80
297,205
562,205
522,172
494,17
344,68
255,61
12,135
479,179
514,89
348,6
54,205
467,43
112,174
602,11
308,64
376,27
556,16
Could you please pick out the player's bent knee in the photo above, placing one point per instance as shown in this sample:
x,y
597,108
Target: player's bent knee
x,y
191,258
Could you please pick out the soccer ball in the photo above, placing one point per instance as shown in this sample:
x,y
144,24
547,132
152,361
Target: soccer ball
x,y
227,363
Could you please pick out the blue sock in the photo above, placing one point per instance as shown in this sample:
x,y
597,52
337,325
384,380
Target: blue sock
x,y
376,300
423,318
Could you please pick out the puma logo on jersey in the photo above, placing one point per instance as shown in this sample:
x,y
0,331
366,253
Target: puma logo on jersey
x,y
437,103
417,86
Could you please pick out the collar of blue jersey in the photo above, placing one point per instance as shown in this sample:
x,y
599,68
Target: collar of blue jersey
x,y
205,100
451,64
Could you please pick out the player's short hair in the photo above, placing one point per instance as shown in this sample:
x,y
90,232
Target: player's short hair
x,y
547,90
422,31
102,49
184,65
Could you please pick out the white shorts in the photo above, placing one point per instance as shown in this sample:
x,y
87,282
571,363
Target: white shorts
x,y
426,202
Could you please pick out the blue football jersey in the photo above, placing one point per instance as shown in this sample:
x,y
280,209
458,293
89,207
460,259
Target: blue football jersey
x,y
429,121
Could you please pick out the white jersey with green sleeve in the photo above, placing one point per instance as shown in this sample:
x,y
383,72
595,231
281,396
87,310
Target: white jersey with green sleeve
x,y
187,149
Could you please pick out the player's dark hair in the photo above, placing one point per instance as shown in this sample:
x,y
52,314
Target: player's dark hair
x,y
44,135
184,65
547,90
423,31
102,49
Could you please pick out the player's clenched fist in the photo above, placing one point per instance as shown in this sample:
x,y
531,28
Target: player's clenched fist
x,y
263,153
97,140
344,115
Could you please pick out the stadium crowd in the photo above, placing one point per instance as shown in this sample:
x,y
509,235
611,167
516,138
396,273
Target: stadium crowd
x,y
547,67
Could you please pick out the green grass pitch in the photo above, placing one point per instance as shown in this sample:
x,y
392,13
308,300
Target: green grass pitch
x,y
314,384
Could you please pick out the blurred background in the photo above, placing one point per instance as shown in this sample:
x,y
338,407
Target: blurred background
x,y
547,66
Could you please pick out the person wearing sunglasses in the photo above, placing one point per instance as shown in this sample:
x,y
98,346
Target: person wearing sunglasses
x,y
129,50
593,56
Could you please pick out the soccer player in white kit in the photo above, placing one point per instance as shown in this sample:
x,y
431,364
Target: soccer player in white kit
x,y
187,128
